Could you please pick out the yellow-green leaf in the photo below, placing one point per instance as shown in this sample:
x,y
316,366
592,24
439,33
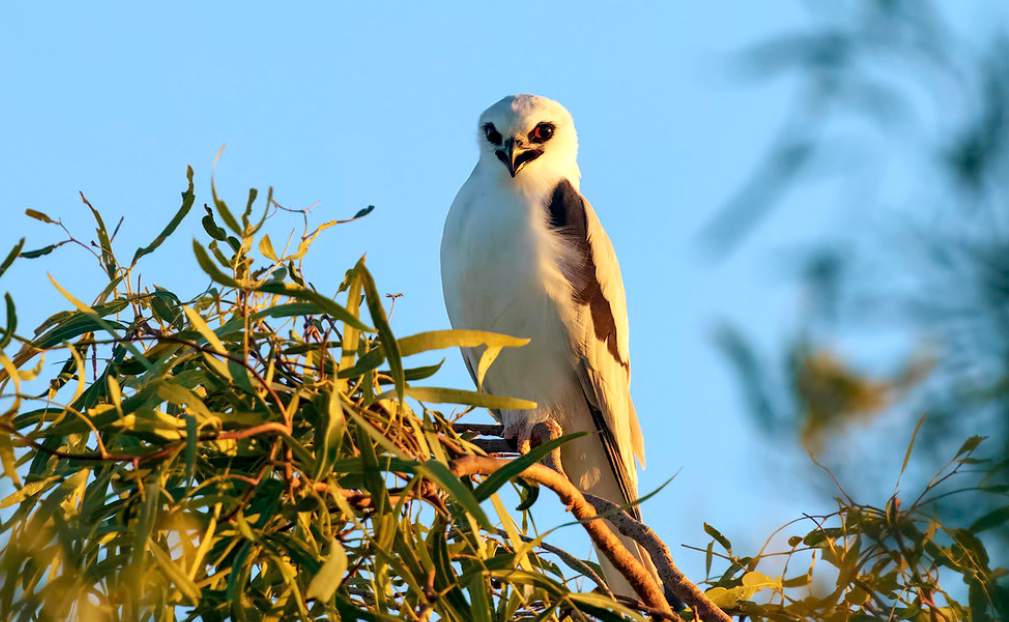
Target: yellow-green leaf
x,y
266,247
201,327
456,338
29,489
440,395
330,574
174,573
37,215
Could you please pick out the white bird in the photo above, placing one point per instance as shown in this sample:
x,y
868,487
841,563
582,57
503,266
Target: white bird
x,y
524,254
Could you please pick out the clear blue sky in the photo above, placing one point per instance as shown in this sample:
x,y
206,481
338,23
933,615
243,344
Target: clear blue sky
x,y
355,104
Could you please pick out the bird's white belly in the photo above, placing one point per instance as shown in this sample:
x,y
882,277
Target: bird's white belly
x,y
504,282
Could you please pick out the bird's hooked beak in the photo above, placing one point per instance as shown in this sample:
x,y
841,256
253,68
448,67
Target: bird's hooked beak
x,y
514,155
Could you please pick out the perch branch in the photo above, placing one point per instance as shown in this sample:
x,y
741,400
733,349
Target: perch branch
x,y
480,429
671,576
605,539
494,444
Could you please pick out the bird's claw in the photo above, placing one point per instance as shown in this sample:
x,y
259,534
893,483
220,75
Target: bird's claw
x,y
522,433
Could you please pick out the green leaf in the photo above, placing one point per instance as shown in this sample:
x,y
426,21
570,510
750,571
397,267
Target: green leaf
x,y
175,574
326,581
439,473
330,434
145,523
480,601
717,535
191,438
11,256
75,326
371,360
253,193
29,489
604,607
108,257
327,306
39,252
106,325
197,321
378,317
37,215
423,372
188,198
222,208
290,309
210,267
12,322
211,227
514,467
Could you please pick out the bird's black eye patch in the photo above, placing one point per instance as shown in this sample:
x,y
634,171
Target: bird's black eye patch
x,y
541,133
493,136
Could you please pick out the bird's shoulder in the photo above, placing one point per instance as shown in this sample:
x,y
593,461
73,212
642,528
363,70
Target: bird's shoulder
x,y
594,274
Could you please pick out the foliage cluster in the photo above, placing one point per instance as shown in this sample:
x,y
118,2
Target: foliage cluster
x,y
250,453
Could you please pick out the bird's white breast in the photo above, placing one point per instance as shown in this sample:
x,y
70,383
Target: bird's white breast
x,y
501,272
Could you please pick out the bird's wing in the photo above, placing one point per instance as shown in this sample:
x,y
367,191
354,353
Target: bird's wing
x,y
599,330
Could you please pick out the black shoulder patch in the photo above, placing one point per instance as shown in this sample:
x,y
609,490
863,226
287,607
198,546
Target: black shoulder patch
x,y
568,219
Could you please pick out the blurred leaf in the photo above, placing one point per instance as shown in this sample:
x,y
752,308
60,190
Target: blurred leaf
x,y
995,518
175,574
970,445
7,458
910,445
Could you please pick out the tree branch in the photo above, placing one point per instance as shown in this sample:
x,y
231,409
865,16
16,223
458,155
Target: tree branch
x,y
601,534
671,576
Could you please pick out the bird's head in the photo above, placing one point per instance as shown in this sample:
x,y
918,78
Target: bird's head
x,y
527,132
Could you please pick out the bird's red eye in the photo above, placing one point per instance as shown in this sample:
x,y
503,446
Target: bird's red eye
x,y
541,133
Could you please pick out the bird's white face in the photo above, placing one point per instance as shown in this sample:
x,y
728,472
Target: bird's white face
x,y
522,134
